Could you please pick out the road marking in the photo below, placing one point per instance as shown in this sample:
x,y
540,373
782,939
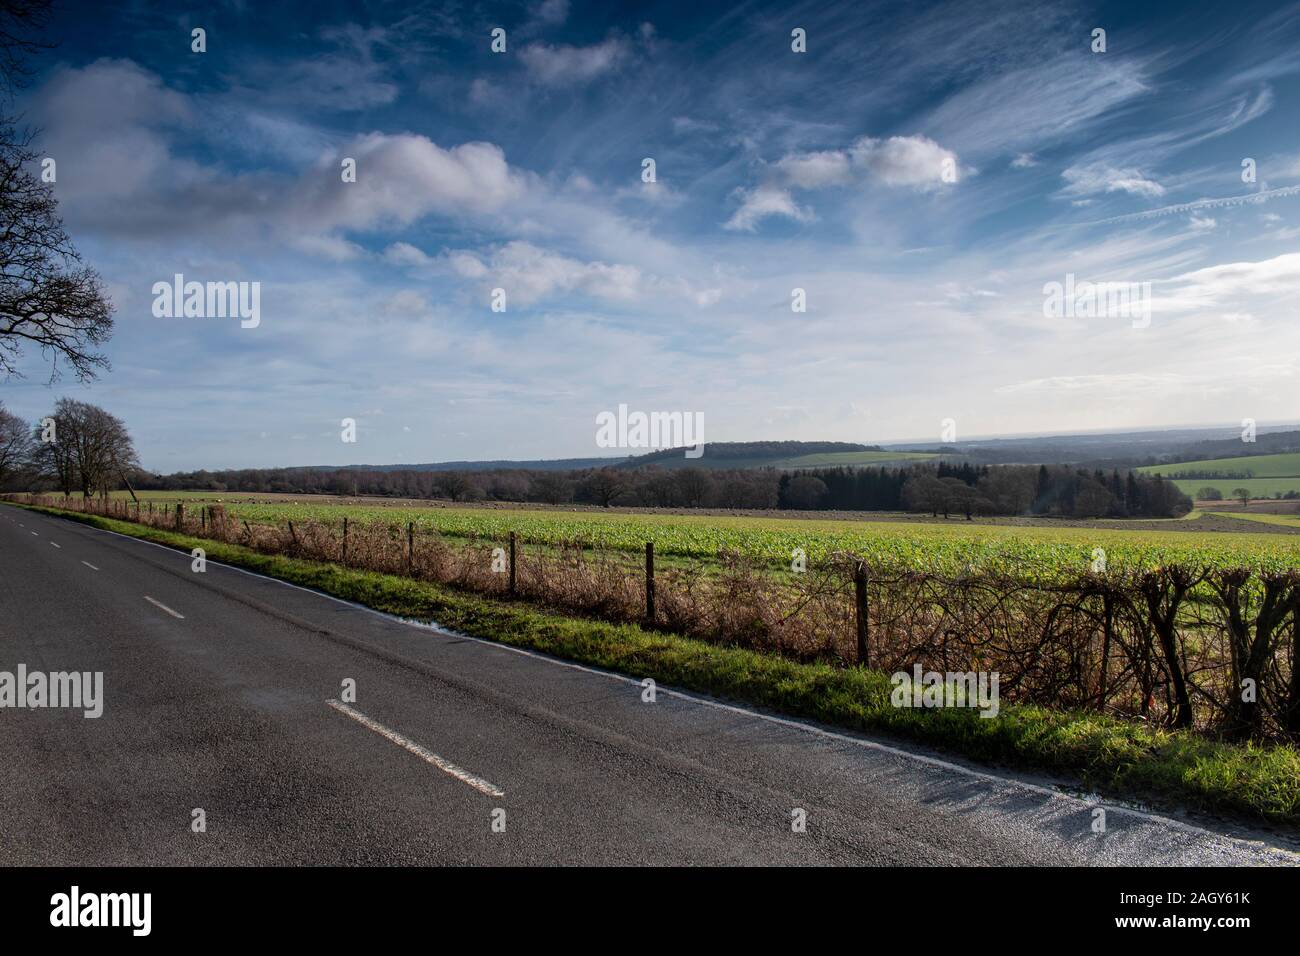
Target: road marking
x,y
1252,844
446,766
55,544
161,605
89,565
37,535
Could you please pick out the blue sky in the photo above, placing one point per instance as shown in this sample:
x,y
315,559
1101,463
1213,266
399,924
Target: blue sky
x,y
775,170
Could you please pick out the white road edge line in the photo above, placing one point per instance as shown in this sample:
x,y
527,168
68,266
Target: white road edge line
x,y
164,607
55,544
446,766
1082,803
89,565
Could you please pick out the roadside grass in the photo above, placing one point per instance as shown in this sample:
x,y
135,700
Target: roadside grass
x,y
1106,754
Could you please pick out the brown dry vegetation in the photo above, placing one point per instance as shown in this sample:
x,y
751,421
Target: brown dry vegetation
x,y
1170,646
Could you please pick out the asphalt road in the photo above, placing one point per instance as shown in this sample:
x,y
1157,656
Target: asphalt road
x,y
217,696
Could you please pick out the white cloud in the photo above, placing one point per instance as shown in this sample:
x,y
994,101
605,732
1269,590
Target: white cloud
x,y
567,65
1100,178
105,124
1232,281
904,160
529,273
912,161
333,248
814,170
763,201
404,177
552,11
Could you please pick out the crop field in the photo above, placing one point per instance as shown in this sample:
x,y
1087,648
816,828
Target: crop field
x,y
1030,602
946,547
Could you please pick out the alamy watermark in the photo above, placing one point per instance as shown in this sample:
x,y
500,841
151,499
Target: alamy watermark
x,y
1100,300
130,910
79,690
210,300
651,430
974,689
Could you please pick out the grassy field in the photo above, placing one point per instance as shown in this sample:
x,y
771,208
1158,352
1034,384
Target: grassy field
x,y
1107,754
1258,487
1272,474
1262,466
948,546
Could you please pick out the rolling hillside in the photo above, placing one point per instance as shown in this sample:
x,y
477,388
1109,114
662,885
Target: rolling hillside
x,y
786,455
1270,475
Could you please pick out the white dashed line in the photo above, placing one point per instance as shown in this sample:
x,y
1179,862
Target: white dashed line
x,y
89,565
164,607
55,544
446,766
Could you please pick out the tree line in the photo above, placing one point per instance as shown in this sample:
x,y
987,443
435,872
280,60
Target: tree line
x,y
944,489
78,447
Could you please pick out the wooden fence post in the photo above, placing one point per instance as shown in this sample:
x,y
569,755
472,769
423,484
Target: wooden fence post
x,y
410,547
345,541
860,595
203,520
180,517
650,581
512,562
151,509
1292,721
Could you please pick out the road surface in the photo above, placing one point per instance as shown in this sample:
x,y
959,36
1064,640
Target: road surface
x,y
224,693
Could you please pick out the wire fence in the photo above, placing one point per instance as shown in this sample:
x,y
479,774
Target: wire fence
x,y
1209,648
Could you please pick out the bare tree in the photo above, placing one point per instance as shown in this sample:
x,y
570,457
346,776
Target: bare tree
x,y
15,444
19,21
604,486
693,486
454,484
551,486
805,492
47,297
51,459
91,450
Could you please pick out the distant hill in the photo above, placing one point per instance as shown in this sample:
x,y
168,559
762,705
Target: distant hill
x,y
1264,476
787,455
541,464
729,455
1118,449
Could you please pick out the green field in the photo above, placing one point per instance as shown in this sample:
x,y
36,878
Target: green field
x,y
1258,487
1273,474
949,546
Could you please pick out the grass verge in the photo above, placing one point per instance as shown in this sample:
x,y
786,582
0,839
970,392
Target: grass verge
x,y
1114,756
